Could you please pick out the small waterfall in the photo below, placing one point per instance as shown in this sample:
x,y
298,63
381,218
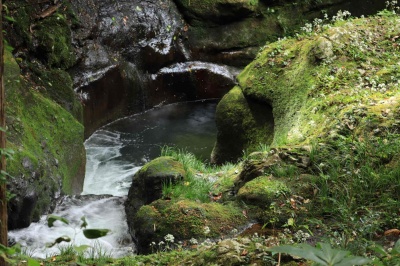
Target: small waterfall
x,y
106,170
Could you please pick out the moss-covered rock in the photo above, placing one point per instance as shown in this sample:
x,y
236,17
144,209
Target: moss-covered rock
x,y
262,191
318,86
185,219
240,123
57,85
49,154
147,185
148,182
52,41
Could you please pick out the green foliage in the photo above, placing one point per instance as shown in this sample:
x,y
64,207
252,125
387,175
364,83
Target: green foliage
x,y
322,254
194,187
386,257
358,184
88,233
14,256
95,233
53,218
59,240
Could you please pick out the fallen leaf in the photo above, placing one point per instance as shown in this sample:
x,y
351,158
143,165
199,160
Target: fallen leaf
x,y
392,232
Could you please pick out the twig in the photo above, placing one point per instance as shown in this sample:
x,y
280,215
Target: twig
x,y
49,11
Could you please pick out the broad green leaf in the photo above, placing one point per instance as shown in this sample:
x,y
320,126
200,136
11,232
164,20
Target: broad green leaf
x,y
303,251
14,249
95,233
396,247
33,262
332,256
51,219
290,222
84,223
353,260
9,18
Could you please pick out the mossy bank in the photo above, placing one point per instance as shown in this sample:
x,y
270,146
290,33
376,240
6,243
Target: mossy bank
x,y
43,113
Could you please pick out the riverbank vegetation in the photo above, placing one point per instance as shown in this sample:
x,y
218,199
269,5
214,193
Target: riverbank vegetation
x,y
330,175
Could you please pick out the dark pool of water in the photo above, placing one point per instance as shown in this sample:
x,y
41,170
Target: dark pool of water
x,y
188,126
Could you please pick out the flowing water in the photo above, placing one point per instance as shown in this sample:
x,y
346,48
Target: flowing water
x,y
114,154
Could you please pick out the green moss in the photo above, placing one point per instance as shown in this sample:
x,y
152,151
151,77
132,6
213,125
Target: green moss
x,y
165,166
54,42
262,191
281,76
247,123
186,219
57,85
46,135
312,85
22,24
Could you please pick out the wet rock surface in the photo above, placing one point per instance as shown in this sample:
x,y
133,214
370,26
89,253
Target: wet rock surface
x,y
146,40
138,45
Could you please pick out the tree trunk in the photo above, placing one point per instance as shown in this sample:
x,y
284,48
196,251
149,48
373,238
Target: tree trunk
x,y
3,198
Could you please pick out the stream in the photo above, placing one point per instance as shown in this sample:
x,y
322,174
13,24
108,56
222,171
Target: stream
x,y
114,153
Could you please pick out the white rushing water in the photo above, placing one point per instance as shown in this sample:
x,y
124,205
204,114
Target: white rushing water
x,y
106,170
106,174
99,213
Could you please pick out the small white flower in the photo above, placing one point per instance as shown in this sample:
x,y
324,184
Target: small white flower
x,y
193,241
206,230
169,238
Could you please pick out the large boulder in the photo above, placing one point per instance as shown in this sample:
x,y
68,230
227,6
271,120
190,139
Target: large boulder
x,y
317,86
147,185
148,182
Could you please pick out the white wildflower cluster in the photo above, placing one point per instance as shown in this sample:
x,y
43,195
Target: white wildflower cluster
x,y
234,231
341,15
193,241
206,230
317,25
392,5
372,84
307,28
301,236
169,238
360,44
